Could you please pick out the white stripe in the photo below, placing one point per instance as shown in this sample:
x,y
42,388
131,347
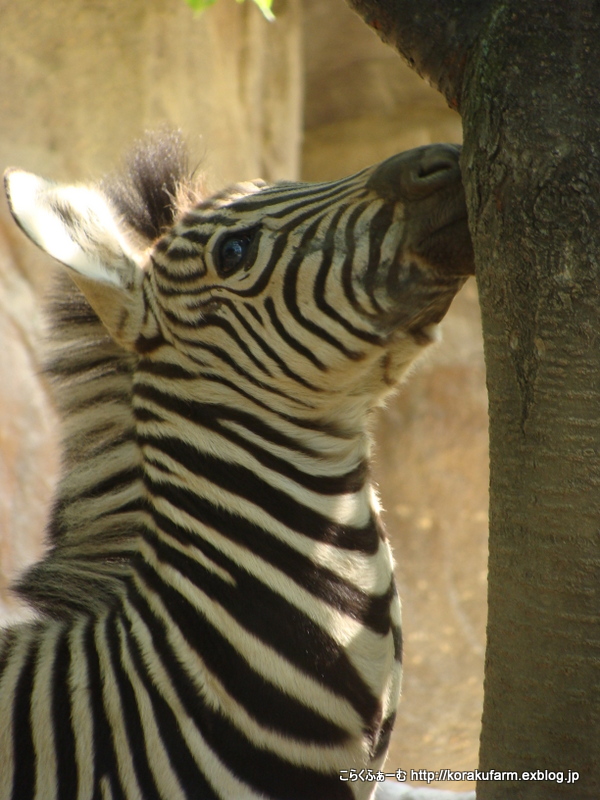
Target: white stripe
x,y
41,714
79,688
115,714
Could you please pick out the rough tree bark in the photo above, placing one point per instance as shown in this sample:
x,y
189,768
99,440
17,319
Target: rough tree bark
x,y
526,79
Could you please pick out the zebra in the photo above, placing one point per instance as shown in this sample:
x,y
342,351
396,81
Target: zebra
x,y
216,614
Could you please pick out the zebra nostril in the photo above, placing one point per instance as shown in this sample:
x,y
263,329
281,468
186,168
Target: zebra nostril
x,y
418,173
437,162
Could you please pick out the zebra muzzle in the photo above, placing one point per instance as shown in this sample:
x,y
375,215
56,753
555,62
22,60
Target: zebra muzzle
x,y
427,182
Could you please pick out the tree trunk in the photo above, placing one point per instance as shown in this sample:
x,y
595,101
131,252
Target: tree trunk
x,y
526,80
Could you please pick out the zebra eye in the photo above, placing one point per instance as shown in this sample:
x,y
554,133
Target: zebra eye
x,y
232,253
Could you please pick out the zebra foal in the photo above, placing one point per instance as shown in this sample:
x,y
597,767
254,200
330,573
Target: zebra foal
x,y
217,615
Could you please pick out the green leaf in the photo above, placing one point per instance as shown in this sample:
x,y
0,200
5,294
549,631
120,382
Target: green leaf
x,y
264,5
200,5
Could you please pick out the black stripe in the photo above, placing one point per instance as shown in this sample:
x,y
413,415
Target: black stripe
x,y
372,611
130,715
226,358
295,197
105,763
161,271
258,426
276,622
176,254
193,410
149,344
255,313
70,310
95,558
23,755
212,417
319,291
348,276
110,485
95,397
268,350
63,586
83,363
316,203
378,226
196,236
203,321
290,340
193,782
345,483
383,736
8,641
398,643
164,369
113,513
96,442
206,216
242,482
62,718
290,299
316,425
266,703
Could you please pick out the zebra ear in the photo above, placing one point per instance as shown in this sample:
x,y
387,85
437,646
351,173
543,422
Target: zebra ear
x,y
77,226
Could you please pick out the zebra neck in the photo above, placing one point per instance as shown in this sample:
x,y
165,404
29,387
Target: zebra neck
x,y
252,516
145,460
214,468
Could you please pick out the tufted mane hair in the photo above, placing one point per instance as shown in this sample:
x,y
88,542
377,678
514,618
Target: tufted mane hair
x,y
154,185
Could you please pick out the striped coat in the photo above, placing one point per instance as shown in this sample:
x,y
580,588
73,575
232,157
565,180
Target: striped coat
x,y
217,615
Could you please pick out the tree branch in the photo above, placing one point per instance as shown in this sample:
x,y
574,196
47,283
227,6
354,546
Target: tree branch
x,y
433,36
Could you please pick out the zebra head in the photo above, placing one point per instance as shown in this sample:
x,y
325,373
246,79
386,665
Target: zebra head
x,y
311,292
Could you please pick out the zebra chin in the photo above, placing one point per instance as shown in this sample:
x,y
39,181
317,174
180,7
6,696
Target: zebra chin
x,y
413,291
427,181
413,297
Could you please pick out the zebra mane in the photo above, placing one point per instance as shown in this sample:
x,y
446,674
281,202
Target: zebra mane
x,y
87,368
155,185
